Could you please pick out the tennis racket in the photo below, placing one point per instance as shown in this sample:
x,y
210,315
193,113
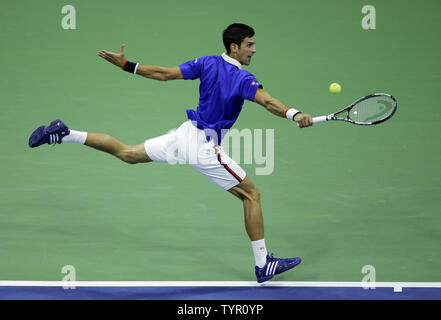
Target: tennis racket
x,y
366,111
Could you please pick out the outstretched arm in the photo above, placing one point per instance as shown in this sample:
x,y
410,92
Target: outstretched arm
x,y
151,72
276,107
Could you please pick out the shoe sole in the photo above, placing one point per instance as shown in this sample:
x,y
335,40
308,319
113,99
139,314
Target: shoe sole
x,y
36,136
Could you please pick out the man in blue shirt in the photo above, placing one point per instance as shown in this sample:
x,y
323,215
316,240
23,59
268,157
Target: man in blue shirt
x,y
224,86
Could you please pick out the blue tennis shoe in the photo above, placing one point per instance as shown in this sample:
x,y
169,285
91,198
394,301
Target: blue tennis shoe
x,y
51,134
275,266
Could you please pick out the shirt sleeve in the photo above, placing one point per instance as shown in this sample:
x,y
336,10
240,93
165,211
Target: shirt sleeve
x,y
249,87
192,69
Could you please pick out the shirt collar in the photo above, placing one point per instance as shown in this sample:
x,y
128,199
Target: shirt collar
x,y
231,60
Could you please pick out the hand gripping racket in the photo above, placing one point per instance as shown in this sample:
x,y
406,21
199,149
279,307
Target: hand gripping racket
x,y
372,109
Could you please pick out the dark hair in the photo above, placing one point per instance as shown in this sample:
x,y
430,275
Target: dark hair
x,y
235,33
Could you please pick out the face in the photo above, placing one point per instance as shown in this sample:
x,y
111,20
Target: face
x,y
246,50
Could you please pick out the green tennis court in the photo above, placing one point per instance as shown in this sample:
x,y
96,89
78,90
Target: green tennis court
x,y
340,196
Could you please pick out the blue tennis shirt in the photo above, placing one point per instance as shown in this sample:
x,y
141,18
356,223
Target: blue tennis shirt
x,y
224,86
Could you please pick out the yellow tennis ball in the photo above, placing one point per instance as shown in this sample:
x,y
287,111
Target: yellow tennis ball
x,y
334,88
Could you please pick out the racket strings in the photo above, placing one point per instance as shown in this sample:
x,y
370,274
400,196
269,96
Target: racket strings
x,y
372,110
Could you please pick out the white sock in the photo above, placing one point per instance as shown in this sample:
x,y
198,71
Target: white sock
x,y
75,136
260,252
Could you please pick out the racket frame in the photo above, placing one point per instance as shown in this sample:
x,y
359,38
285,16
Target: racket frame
x,y
348,110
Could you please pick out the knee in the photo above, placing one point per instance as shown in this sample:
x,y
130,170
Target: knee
x,y
254,195
127,156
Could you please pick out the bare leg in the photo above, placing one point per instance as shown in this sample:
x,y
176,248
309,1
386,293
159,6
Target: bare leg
x,y
250,196
130,154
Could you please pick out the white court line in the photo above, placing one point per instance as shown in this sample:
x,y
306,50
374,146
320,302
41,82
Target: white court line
x,y
398,286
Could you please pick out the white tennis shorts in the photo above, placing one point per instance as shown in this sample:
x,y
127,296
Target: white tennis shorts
x,y
189,145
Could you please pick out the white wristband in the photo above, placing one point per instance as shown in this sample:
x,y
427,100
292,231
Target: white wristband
x,y
136,68
290,113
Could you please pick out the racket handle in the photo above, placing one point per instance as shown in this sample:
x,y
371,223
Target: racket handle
x,y
320,119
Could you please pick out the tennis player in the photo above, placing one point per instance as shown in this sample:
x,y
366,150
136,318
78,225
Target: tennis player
x,y
224,85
